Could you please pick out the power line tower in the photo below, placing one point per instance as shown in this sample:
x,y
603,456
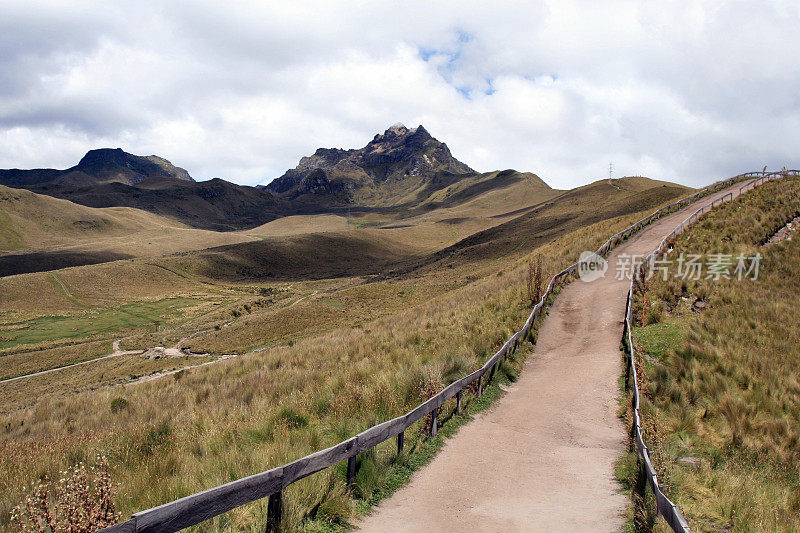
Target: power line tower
x,y
610,170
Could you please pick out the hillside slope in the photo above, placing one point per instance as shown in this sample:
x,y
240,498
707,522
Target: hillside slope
x,y
214,204
39,232
719,371
29,220
568,211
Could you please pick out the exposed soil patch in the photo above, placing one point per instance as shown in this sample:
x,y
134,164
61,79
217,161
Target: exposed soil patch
x,y
785,233
161,352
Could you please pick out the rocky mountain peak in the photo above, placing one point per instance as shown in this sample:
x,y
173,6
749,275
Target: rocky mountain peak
x,y
400,131
394,155
399,128
103,157
114,164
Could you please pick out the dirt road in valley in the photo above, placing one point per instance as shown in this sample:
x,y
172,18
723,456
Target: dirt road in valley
x,y
542,458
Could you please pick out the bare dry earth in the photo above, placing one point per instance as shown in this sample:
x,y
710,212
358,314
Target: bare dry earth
x,y
542,459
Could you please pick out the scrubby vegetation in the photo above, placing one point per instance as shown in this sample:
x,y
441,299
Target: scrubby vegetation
x,y
719,366
245,415
79,502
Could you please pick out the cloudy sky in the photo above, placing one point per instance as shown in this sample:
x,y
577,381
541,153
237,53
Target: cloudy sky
x,y
674,90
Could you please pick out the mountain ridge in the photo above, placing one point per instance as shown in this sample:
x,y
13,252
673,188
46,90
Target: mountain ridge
x,y
401,171
101,165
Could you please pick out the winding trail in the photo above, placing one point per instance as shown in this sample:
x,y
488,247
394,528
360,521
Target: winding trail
x,y
542,458
116,353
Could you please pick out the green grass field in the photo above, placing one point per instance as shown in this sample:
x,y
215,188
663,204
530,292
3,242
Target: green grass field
x,y
93,323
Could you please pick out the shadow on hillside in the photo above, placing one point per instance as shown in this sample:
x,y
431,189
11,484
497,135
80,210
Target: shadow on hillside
x,y
25,263
312,256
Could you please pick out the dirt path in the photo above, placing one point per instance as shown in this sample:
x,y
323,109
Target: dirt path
x,y
65,289
116,353
175,351
163,373
542,458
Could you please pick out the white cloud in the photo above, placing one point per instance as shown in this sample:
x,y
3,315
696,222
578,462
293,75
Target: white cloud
x,y
243,90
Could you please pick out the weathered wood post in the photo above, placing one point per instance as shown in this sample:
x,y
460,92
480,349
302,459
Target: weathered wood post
x,y
351,471
274,512
458,403
401,437
434,422
480,385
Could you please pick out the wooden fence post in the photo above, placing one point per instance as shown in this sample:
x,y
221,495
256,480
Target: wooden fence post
x,y
458,403
401,437
434,422
480,385
274,512
351,471
627,375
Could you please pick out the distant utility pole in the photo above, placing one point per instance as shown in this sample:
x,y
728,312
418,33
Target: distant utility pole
x,y
610,170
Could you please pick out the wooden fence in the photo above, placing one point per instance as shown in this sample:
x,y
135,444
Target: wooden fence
x,y
664,505
197,508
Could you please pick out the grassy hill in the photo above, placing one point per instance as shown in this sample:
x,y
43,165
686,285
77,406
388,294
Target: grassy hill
x,y
720,372
330,329
328,365
39,232
214,204
568,211
31,220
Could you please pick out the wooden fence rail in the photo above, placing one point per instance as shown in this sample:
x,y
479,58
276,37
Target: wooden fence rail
x,y
196,508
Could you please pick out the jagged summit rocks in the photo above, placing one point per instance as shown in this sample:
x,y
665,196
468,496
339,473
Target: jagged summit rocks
x,y
390,157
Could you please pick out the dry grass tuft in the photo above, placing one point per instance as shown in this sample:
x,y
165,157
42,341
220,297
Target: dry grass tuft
x,y
430,385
